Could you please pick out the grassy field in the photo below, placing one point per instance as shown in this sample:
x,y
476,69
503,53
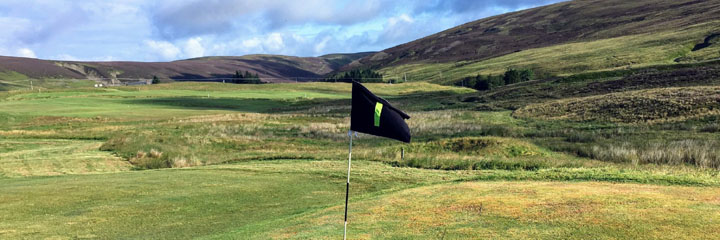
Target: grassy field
x,y
224,161
10,80
47,157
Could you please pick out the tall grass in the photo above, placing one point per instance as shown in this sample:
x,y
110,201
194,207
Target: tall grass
x,y
705,154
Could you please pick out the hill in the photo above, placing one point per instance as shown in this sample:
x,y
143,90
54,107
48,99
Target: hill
x,y
271,68
563,38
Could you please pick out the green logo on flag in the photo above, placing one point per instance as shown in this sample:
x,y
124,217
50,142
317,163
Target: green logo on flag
x,y
378,111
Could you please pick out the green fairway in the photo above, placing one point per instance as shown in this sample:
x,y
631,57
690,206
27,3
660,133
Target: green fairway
x,y
185,99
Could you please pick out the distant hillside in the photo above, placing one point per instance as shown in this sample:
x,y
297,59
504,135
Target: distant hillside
x,y
563,38
272,68
518,95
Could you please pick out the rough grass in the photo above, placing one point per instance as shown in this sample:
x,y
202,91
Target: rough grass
x,y
654,105
704,154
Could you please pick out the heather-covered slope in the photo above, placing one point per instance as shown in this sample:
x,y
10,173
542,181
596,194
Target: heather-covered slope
x,y
572,21
271,68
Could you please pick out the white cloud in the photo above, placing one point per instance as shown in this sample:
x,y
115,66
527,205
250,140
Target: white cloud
x,y
251,43
320,47
274,43
400,29
165,49
404,18
193,48
65,57
169,30
25,52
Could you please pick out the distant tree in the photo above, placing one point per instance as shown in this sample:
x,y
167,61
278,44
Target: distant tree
x,y
511,76
363,76
526,75
495,81
482,85
246,78
515,76
155,80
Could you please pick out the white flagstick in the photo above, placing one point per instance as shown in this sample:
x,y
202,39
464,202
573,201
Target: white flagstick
x,y
347,186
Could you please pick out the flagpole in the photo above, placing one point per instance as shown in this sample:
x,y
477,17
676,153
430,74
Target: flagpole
x,y
347,185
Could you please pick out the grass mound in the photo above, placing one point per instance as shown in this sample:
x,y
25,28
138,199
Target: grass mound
x,y
490,146
651,106
469,153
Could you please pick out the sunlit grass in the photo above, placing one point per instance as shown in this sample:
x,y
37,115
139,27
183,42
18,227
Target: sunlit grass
x,y
519,210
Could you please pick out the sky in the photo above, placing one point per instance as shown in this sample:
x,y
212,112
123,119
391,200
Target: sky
x,y
140,30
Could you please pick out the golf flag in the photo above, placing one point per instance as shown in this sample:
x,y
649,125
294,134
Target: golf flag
x,y
373,115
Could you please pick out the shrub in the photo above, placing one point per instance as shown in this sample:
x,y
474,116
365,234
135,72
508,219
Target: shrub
x,y
152,160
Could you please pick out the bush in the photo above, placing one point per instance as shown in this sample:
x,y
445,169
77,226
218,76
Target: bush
x,y
152,160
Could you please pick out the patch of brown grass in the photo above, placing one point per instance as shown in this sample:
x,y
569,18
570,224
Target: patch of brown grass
x,y
705,154
648,106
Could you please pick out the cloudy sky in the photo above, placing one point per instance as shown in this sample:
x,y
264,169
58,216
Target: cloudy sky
x,y
139,30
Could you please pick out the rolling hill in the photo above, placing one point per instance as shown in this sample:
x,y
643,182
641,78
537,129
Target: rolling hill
x,y
560,39
272,68
563,38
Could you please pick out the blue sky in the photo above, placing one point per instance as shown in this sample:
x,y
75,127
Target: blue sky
x,y
137,30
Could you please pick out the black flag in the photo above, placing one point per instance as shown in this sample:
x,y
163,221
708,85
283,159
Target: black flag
x,y
373,115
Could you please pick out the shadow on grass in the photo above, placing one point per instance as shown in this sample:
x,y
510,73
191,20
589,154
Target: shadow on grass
x,y
230,104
